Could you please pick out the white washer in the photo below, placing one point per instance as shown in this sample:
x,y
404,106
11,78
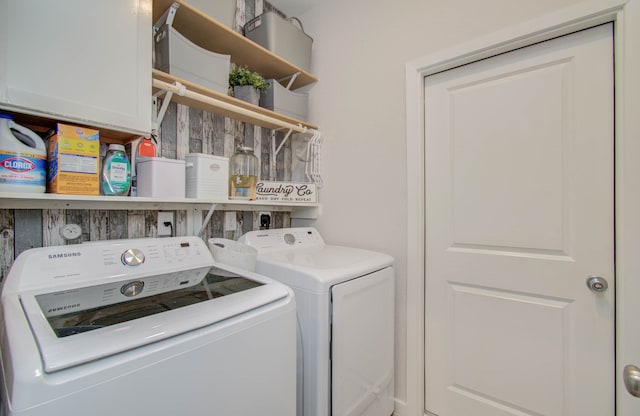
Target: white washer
x,y
345,304
144,327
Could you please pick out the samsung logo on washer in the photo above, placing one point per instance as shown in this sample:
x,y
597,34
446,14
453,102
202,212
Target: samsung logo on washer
x,y
63,308
64,255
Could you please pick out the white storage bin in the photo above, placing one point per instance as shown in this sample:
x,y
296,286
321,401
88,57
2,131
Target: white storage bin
x,y
284,101
207,176
160,177
177,55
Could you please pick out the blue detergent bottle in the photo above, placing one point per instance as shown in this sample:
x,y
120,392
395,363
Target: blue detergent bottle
x,y
23,158
116,172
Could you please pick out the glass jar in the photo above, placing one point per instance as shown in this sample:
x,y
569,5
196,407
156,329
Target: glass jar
x,y
243,174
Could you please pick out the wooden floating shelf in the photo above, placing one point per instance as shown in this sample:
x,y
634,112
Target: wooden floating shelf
x,y
214,36
222,104
18,200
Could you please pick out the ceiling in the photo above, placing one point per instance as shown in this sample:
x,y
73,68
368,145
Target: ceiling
x,y
294,7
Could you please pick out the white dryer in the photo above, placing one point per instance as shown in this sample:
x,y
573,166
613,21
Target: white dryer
x,y
345,308
144,327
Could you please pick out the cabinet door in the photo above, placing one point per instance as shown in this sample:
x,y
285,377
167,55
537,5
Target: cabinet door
x,y
78,60
362,345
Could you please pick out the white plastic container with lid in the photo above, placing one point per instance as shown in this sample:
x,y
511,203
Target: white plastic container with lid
x,y
207,176
160,177
23,158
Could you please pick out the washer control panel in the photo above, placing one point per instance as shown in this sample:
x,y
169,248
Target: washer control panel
x,y
155,254
61,302
116,261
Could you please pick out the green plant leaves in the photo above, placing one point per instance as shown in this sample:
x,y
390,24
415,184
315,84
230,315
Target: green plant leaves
x,y
240,75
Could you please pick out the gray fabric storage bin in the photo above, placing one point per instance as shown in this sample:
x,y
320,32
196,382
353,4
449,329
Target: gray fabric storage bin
x,y
284,101
177,55
281,37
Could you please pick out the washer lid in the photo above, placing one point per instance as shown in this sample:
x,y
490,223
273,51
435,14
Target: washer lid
x,y
318,268
80,325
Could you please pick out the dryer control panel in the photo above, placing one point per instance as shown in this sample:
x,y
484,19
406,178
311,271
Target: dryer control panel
x,y
283,238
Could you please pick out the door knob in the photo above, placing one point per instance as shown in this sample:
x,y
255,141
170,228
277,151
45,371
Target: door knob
x,y
631,377
597,284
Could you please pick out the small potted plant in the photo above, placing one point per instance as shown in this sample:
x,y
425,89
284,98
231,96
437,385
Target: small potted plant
x,y
247,85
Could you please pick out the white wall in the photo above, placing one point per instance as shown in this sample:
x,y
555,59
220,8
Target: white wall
x,y
359,52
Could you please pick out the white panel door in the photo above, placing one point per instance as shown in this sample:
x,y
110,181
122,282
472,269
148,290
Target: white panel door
x,y
519,213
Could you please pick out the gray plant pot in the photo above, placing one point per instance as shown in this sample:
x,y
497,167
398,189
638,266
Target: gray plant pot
x,y
247,93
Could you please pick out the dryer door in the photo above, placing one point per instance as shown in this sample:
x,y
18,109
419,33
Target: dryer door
x,y
362,343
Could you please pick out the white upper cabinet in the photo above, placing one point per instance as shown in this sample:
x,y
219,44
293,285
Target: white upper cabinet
x,y
84,61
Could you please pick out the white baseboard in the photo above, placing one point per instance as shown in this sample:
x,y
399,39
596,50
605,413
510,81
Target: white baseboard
x,y
400,408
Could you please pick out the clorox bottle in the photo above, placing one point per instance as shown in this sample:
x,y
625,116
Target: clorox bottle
x,y
23,158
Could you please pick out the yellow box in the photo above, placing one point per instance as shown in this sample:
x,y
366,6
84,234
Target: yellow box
x,y
73,160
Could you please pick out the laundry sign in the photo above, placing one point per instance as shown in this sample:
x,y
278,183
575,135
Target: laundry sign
x,y
286,192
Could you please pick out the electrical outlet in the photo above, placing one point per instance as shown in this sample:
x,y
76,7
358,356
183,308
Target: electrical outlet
x,y
265,220
230,221
71,231
165,217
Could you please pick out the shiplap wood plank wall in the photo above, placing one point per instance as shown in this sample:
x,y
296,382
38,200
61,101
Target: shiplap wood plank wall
x,y
183,130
